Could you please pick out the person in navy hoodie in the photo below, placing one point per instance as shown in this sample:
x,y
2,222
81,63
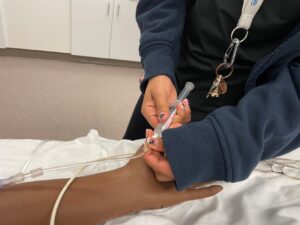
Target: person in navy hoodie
x,y
256,119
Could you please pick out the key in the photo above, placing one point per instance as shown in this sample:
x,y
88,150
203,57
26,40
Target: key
x,y
218,87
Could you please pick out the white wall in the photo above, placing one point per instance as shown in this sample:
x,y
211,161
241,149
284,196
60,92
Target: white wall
x,y
37,24
2,38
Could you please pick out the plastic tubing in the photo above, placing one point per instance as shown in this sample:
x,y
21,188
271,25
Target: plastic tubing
x,y
35,150
21,177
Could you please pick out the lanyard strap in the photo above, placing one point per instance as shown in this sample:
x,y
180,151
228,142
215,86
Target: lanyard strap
x,y
249,10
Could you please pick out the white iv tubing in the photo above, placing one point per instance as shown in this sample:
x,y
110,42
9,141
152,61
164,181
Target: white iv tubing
x,y
20,177
35,150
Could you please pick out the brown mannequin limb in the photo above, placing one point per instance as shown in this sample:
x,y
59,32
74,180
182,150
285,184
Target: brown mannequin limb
x,y
94,199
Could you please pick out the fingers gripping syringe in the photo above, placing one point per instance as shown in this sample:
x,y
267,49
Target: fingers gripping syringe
x,y
189,86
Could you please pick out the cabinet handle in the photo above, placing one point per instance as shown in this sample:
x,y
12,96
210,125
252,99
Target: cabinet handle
x,y
108,8
118,10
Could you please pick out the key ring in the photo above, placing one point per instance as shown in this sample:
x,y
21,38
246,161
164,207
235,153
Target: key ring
x,y
237,28
227,66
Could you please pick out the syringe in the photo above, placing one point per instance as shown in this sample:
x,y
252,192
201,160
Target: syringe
x,y
189,86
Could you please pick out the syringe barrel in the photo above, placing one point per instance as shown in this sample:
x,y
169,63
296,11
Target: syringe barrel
x,y
188,87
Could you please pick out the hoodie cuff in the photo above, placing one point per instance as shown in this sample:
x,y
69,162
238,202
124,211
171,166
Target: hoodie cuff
x,y
195,154
158,60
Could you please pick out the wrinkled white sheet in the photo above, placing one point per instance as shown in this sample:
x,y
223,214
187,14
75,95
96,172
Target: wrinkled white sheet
x,y
264,198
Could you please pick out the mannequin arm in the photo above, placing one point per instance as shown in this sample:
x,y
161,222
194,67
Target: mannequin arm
x,y
93,199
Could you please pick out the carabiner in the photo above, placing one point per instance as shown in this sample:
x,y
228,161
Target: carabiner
x,y
231,52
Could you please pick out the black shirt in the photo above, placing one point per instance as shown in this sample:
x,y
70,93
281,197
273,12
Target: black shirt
x,y
207,35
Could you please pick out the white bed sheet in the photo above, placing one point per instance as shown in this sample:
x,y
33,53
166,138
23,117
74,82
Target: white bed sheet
x,y
264,198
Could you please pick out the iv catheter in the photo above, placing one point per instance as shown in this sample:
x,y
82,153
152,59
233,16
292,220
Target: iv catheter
x,y
189,86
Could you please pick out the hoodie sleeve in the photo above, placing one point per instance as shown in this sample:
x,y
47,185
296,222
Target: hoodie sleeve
x,y
228,144
161,24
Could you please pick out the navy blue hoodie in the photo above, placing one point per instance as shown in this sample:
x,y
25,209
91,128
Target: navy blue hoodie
x,y
230,141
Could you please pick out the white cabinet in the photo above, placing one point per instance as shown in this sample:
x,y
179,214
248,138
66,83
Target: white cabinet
x,y
125,33
105,29
93,28
42,25
2,40
90,27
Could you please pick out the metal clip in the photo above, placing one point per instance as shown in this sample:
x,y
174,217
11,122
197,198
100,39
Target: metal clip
x,y
231,52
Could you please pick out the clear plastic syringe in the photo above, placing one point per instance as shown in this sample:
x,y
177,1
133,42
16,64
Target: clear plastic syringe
x,y
189,86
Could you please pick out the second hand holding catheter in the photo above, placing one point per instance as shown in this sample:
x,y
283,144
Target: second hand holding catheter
x,y
22,176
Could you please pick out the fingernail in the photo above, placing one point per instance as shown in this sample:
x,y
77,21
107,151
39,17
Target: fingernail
x,y
181,105
186,101
148,140
162,115
217,188
151,141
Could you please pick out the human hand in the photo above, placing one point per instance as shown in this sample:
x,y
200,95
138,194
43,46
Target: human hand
x,y
155,146
159,95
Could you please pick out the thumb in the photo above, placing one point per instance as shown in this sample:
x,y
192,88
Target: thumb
x,y
160,99
193,194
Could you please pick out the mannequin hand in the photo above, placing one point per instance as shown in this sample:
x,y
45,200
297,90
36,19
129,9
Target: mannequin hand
x,y
148,193
154,157
159,95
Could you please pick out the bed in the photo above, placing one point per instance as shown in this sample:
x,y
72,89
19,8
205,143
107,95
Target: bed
x,y
264,198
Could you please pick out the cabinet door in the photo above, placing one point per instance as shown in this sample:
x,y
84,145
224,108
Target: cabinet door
x,y
42,25
90,27
125,33
2,40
